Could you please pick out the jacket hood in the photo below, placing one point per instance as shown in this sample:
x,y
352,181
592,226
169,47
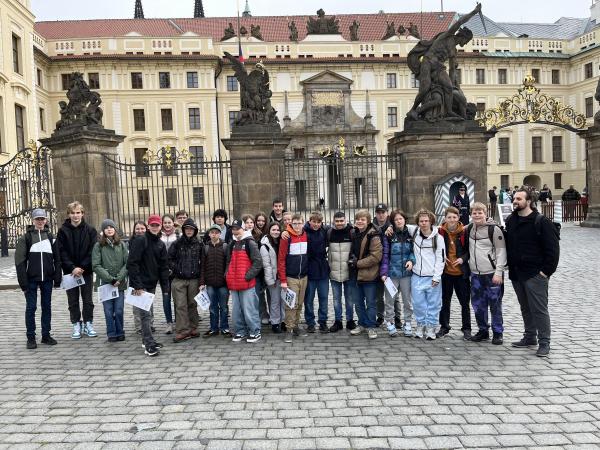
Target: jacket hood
x,y
189,223
290,230
67,223
433,234
247,234
459,229
265,240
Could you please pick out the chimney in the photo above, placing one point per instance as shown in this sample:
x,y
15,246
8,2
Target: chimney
x,y
198,9
139,11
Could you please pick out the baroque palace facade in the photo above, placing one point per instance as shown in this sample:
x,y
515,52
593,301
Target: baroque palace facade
x,y
163,83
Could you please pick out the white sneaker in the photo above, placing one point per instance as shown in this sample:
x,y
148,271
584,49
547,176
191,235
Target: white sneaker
x,y
169,328
372,333
419,332
356,331
430,333
88,329
264,321
407,329
76,334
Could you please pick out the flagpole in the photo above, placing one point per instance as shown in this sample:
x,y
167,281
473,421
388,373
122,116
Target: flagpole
x,y
238,30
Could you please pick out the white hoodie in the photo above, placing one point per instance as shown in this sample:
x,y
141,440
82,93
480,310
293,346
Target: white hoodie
x,y
427,263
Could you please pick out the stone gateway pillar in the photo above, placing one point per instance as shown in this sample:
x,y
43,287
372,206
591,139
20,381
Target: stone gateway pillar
x,y
592,138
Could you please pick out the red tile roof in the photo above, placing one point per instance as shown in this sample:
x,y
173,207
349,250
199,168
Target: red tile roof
x,y
273,28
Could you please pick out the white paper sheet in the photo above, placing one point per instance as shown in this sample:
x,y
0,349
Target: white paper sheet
x,y
143,301
107,292
289,298
70,282
203,299
390,287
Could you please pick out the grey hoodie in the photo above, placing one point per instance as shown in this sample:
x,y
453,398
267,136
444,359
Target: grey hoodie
x,y
483,255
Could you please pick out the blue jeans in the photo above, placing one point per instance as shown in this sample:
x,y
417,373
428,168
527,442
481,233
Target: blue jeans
x,y
31,306
113,313
427,301
218,307
336,289
321,287
365,301
245,312
166,298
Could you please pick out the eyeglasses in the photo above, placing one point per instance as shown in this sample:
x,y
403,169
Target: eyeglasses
x,y
296,224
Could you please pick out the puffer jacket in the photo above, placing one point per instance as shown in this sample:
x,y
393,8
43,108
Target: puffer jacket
x,y
318,266
340,244
427,262
243,264
269,259
185,255
397,251
37,258
292,260
148,262
212,268
486,257
368,251
109,263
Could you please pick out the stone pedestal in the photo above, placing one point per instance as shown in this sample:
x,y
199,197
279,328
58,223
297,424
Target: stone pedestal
x,y
257,169
80,173
429,152
592,137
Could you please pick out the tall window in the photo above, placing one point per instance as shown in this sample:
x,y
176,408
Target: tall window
x,y
137,81
502,78
504,181
141,167
536,149
391,81
535,73
166,118
197,153
557,149
164,80
414,81
233,116
503,150
192,80
194,114
139,120
299,153
300,190
589,107
392,117
40,78
16,50
198,194
480,109
42,119
588,71
143,198
171,196
20,124
555,76
558,181
65,79
232,83
94,80
458,74
480,76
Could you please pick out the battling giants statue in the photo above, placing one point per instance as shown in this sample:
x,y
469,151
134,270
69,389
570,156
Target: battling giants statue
x,y
83,109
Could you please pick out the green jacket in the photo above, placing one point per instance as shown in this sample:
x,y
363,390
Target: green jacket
x,y
109,262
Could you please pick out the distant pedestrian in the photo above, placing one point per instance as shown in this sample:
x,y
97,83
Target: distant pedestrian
x,y
493,198
545,194
462,203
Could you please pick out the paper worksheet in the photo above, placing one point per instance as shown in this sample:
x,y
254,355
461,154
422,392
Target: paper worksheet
x,y
143,301
107,292
290,298
70,282
203,299
390,287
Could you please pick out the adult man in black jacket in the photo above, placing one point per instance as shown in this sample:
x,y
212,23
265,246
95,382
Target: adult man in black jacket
x,y
76,240
533,253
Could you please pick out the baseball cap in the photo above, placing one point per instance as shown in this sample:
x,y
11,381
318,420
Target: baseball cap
x,y
215,227
154,219
237,223
38,214
381,207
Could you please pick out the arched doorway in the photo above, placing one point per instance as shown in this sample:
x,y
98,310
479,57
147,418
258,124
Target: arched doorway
x,y
533,180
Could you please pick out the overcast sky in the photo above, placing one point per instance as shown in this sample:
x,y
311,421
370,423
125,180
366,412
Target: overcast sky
x,y
499,10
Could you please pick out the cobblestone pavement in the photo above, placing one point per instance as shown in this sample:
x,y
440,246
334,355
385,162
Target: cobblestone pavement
x,y
7,267
323,391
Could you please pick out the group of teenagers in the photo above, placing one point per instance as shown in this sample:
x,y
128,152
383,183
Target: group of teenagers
x,y
394,275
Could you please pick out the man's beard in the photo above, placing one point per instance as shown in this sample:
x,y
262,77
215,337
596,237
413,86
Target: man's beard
x,y
516,207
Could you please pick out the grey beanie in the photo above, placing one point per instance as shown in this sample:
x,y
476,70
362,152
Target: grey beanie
x,y
107,223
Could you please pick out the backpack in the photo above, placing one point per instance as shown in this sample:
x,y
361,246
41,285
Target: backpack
x,y
434,241
490,232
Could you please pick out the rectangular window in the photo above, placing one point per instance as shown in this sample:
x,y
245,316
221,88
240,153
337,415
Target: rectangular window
x,y
192,80
40,78
94,80
392,117
588,71
232,83
557,151
42,119
391,81
198,193
233,117
414,81
166,118
480,109
503,150
589,106
65,79
139,120
535,73
558,181
141,167
171,196
164,80
300,190
299,153
16,50
480,76
504,181
137,81
458,74
194,114
502,78
20,124
536,149
555,76
143,198
197,160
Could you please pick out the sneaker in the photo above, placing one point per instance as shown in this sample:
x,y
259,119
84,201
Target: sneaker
x,y
238,338
226,333
210,333
158,345
49,340
430,333
497,339
88,330
31,344
253,338
467,335
121,338
151,350
350,325
264,321
169,328
180,337
289,337
112,339
419,332
524,343
151,329
356,331
276,329
372,333
337,326
323,328
76,334
481,336
391,328
407,329
303,332
296,332
310,329
543,351
443,331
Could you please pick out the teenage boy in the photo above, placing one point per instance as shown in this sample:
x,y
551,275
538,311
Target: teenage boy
x,y
38,266
382,223
339,239
277,212
244,263
148,265
76,240
180,217
219,218
487,260
318,273
292,268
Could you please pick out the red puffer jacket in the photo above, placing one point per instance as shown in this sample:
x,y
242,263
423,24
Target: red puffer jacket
x,y
243,264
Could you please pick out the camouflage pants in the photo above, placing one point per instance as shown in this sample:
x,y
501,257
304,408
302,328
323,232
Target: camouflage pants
x,y
484,295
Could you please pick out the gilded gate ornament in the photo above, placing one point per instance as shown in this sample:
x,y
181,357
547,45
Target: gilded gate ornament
x,y
167,156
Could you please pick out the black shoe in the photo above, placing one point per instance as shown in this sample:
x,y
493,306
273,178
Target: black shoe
x,y
283,327
49,340
112,339
467,335
310,329
151,350
498,339
121,338
350,325
210,333
524,343
397,323
442,332
151,328
379,321
481,336
543,351
323,328
31,344
276,329
337,326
